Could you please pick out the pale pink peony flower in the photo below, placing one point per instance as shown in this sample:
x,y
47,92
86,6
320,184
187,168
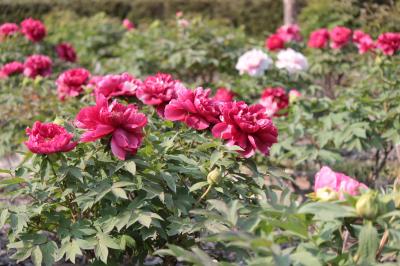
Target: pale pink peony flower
x,y
248,127
71,82
123,122
253,63
319,39
363,41
274,100
224,95
117,85
274,42
37,65
292,61
34,30
340,36
11,68
183,23
47,138
179,14
128,24
159,90
290,33
8,29
338,184
66,52
389,42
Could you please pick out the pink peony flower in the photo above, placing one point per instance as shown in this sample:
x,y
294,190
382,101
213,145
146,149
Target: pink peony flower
x,y
340,36
248,127
289,33
122,122
318,39
183,23
292,61
193,108
70,83
11,68
339,184
66,52
46,138
274,100
34,30
224,95
274,42
253,62
8,29
117,85
158,90
363,42
128,24
389,42
37,65
179,14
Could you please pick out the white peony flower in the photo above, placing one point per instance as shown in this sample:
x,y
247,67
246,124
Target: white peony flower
x,y
292,61
253,62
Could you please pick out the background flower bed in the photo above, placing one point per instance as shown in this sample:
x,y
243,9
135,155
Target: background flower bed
x,y
346,117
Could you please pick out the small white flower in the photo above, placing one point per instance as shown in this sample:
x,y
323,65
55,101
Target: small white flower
x,y
292,61
253,62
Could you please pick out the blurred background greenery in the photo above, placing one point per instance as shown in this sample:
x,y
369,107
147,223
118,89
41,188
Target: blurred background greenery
x,y
257,16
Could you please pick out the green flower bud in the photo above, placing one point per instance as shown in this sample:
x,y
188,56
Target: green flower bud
x,y
214,176
367,205
326,194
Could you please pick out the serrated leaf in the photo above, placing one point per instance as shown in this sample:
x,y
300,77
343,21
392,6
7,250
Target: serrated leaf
x,y
49,251
368,244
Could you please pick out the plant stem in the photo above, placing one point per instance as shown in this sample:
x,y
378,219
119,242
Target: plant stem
x,y
204,194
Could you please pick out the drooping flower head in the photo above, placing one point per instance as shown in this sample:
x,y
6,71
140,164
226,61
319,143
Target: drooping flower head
x,y
275,42
158,90
389,42
319,39
331,185
248,127
194,108
8,29
71,82
37,65
66,52
34,30
290,33
47,138
11,68
253,63
340,36
128,25
224,95
117,85
122,122
274,100
292,61
363,41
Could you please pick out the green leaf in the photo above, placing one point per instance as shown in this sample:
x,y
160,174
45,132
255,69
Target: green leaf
x,y
368,244
144,219
198,186
327,211
131,167
49,251
119,193
3,217
37,256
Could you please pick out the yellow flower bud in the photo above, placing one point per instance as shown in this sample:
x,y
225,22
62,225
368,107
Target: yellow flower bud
x,y
214,176
367,205
326,194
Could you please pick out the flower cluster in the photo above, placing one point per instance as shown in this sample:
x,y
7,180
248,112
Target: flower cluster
x,y
66,52
37,65
11,68
71,82
8,29
283,35
34,30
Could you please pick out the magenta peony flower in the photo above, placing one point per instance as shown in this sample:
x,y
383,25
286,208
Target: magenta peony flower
x,y
389,42
66,52
8,29
289,33
194,108
34,30
11,68
331,185
70,83
122,122
117,85
46,138
274,42
340,36
224,95
318,39
159,90
247,127
37,65
128,24
274,100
